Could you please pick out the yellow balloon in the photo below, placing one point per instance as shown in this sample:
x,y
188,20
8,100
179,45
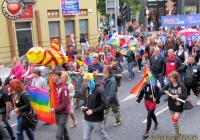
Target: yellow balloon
x,y
38,55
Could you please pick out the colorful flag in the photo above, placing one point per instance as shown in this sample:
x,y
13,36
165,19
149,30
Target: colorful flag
x,y
55,46
151,78
137,89
54,100
41,104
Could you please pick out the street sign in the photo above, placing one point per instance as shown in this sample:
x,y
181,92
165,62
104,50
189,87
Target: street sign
x,y
110,6
112,22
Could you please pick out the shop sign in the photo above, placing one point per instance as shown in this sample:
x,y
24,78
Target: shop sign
x,y
70,7
13,9
29,14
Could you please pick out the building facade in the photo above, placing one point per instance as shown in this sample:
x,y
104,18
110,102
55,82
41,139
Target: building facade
x,y
158,8
42,23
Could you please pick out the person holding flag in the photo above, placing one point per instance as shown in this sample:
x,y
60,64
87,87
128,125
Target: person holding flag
x,y
151,97
176,91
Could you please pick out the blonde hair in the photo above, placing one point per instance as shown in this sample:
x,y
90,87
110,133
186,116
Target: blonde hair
x,y
72,35
66,74
14,65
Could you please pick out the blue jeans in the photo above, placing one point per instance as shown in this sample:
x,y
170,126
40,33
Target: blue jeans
x,y
119,28
130,69
159,78
119,64
9,128
88,127
20,129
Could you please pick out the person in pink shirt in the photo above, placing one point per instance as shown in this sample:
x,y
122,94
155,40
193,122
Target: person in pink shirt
x,y
16,69
27,71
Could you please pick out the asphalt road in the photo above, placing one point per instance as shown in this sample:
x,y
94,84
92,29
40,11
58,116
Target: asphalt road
x,y
133,117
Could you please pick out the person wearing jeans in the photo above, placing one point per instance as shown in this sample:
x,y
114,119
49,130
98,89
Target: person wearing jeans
x,y
21,103
63,108
93,108
20,129
131,61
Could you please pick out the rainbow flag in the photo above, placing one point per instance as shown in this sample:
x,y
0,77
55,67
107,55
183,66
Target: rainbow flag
x,y
137,89
151,78
40,101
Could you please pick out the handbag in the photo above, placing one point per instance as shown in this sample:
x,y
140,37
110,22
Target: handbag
x,y
187,105
29,120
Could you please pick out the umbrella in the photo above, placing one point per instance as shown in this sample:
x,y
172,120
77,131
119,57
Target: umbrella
x,y
188,32
145,34
114,42
37,55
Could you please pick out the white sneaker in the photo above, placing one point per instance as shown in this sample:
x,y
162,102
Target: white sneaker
x,y
198,102
139,71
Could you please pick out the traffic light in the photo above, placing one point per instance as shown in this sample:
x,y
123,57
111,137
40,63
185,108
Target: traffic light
x,y
123,12
128,10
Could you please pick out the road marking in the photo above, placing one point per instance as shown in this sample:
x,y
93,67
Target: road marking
x,y
129,97
158,113
12,125
124,71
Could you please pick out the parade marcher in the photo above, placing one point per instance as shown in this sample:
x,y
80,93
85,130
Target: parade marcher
x,y
156,66
71,52
83,43
191,71
96,67
177,90
151,98
38,80
196,51
66,78
171,63
119,23
93,107
63,109
5,107
110,89
138,55
130,55
16,68
71,40
4,134
116,70
169,44
21,103
183,56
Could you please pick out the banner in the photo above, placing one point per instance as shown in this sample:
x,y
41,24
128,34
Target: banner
x,y
70,7
182,20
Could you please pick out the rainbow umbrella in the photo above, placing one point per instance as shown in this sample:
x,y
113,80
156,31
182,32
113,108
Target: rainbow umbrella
x,y
114,42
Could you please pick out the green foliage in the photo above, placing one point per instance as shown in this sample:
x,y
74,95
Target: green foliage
x,y
135,6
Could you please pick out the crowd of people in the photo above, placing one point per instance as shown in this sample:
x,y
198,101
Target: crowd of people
x,y
172,61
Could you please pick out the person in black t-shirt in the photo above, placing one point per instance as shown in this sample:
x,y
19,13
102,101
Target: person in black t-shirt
x,y
150,101
5,108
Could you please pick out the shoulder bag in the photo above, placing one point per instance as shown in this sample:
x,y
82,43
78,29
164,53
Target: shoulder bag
x,y
29,119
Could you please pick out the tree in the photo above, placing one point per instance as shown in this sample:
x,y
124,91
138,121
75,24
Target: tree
x,y
135,7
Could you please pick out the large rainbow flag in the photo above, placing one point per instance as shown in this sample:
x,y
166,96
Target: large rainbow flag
x,y
40,101
137,89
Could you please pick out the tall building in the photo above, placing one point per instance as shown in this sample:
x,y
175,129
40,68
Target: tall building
x,y
44,21
158,8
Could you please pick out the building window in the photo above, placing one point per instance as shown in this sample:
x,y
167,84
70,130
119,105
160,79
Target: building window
x,y
54,29
69,27
190,10
83,26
